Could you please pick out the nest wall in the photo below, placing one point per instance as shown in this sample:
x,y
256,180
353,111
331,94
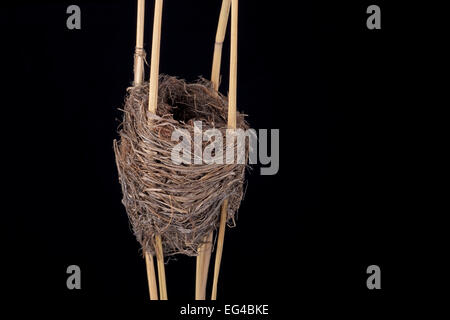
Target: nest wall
x,y
179,202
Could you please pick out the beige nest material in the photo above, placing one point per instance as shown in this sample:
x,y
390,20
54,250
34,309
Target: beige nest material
x,y
179,202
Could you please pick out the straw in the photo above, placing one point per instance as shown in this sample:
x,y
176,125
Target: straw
x,y
232,125
152,104
204,256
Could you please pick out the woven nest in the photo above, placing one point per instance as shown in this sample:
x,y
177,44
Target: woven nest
x,y
179,202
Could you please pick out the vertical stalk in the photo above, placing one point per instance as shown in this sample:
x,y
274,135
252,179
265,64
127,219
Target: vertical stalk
x,y
154,66
139,50
204,255
150,265
220,36
152,104
232,125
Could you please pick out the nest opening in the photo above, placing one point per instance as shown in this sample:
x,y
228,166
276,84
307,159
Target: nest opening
x,y
179,202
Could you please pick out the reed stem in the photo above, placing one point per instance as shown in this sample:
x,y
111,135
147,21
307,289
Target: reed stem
x,y
150,265
152,105
161,270
139,50
220,36
199,272
203,260
204,256
138,79
232,125
154,65
220,241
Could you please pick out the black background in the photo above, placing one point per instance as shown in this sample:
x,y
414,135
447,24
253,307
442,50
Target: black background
x,y
305,235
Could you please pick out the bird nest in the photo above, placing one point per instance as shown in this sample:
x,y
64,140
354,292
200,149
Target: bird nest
x,y
179,201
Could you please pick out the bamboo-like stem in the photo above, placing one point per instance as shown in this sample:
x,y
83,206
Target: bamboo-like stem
x,y
161,270
150,265
220,240
204,255
139,50
220,36
206,260
233,67
203,260
199,271
152,104
232,125
199,275
138,79
154,66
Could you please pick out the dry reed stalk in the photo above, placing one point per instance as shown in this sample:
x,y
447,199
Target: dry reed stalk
x,y
220,36
206,260
150,265
220,239
154,66
152,104
200,270
204,256
139,53
232,125
138,79
203,259
161,270
233,67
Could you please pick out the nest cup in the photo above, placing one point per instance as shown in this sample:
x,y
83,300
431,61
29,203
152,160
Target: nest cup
x,y
179,202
